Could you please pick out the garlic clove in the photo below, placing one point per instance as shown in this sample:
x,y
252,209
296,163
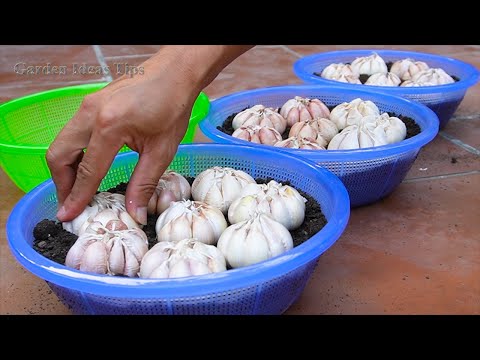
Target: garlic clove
x,y
177,229
152,204
165,198
95,259
77,251
116,260
381,79
369,65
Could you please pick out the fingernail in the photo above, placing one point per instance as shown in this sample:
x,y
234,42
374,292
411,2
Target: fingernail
x,y
141,215
61,213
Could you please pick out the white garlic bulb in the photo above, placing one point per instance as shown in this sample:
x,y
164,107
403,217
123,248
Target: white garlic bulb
x,y
112,253
406,68
188,219
381,79
351,79
282,203
430,77
334,71
258,134
369,65
108,220
364,135
300,109
350,113
187,257
172,186
101,201
297,142
312,128
261,116
258,239
394,128
219,186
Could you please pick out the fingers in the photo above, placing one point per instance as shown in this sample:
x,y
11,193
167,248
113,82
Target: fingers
x,y
149,169
90,171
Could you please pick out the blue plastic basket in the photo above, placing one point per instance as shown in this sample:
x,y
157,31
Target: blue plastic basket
x,y
368,174
269,287
443,99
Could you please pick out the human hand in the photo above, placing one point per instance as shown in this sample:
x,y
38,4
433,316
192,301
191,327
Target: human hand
x,y
149,113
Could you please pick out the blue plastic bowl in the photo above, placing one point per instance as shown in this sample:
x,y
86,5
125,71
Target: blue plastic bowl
x,y
269,287
368,174
443,99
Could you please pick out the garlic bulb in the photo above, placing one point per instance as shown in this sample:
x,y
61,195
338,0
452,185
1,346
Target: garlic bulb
x,y
282,203
312,128
381,79
334,71
364,135
186,257
351,79
172,186
99,202
108,220
254,240
261,116
434,76
113,253
219,186
369,65
187,219
394,128
406,68
296,142
300,109
258,134
351,113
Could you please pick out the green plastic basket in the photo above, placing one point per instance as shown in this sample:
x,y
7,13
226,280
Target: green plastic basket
x,y
29,124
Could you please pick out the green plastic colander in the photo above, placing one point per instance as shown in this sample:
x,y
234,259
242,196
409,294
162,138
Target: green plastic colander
x,y
29,124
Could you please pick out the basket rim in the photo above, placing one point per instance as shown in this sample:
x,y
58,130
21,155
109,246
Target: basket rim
x,y
417,141
188,286
464,83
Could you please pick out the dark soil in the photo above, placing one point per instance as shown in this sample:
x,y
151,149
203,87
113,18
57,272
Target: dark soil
x,y
53,242
412,127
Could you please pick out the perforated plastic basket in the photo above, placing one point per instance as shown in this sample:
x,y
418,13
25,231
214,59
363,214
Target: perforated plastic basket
x,y
269,287
29,124
443,99
368,174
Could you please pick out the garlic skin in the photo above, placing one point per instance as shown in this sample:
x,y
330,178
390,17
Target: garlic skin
x,y
282,203
350,79
258,239
172,186
364,135
296,142
334,71
312,128
187,257
394,128
190,219
108,220
258,134
406,68
261,116
219,186
112,253
430,77
101,201
369,65
381,79
351,113
300,109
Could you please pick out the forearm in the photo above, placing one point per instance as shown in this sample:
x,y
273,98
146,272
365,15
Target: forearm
x,y
195,66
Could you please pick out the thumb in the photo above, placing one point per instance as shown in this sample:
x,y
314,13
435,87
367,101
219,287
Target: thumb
x,y
150,167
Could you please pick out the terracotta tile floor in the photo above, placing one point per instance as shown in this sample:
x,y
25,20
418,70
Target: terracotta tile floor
x,y
415,252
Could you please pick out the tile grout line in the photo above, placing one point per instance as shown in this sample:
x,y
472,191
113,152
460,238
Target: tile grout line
x,y
294,53
460,143
132,56
440,177
466,117
48,83
101,61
